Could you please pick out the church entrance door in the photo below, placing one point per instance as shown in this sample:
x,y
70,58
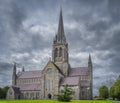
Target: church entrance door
x,y
49,96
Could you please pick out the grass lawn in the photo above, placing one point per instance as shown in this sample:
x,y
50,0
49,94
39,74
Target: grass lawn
x,y
55,101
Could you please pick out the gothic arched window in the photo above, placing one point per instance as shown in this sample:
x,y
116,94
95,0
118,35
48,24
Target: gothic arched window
x,y
60,52
56,52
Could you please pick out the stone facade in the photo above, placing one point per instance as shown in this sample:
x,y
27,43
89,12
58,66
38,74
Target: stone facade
x,y
48,83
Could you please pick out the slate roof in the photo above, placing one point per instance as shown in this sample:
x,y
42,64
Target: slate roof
x,y
29,74
78,71
28,86
70,81
85,83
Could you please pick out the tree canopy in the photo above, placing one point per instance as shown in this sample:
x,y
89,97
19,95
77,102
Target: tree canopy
x,y
3,92
103,92
115,89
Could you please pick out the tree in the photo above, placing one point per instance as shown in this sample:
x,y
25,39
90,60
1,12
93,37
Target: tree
x,y
103,92
0,92
66,94
115,90
3,92
112,90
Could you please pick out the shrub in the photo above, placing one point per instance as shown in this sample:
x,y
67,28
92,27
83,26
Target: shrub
x,y
66,94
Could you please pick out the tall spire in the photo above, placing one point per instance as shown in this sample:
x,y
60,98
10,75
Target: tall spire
x,y
14,75
60,55
90,58
60,36
89,61
91,76
23,69
14,68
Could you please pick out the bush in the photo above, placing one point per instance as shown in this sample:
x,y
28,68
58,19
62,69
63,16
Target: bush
x,y
66,94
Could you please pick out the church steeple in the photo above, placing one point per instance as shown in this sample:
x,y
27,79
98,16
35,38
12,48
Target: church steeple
x,y
90,62
60,36
60,48
14,75
91,76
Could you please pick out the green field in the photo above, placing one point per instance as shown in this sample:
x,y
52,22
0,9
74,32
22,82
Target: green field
x,y
54,101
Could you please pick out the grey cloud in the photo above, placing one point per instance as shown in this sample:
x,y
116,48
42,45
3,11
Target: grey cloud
x,y
11,15
115,64
4,66
17,15
39,43
114,8
99,26
5,73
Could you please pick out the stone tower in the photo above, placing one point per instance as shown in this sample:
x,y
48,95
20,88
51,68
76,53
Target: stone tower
x,y
91,76
60,48
14,75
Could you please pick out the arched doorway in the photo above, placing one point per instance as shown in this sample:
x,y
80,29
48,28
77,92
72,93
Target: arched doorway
x,y
18,96
49,96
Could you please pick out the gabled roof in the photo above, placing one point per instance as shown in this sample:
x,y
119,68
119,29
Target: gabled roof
x,y
28,86
78,71
29,74
16,89
54,66
70,81
58,68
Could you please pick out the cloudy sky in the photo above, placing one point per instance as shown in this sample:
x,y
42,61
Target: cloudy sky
x,y
27,28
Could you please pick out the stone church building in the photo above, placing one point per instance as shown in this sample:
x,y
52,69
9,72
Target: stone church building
x,y
48,83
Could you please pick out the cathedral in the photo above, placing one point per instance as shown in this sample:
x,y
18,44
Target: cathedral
x,y
48,82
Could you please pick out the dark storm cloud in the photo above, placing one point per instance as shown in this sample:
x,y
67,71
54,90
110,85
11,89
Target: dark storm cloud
x,y
114,8
115,64
17,15
10,22
5,66
90,17
5,73
11,14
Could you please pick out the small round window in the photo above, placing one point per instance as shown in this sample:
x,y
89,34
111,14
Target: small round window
x,y
49,71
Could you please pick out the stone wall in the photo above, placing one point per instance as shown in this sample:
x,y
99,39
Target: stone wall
x,y
50,80
27,81
30,94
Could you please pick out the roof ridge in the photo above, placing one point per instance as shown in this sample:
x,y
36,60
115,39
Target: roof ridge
x,y
33,71
78,67
28,84
72,77
58,68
